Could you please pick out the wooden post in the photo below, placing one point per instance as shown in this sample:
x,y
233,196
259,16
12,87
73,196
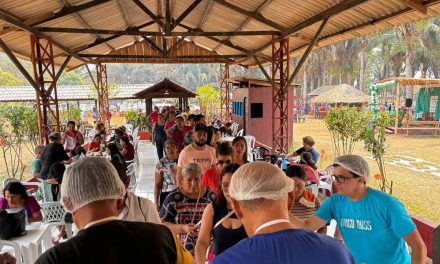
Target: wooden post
x,y
396,108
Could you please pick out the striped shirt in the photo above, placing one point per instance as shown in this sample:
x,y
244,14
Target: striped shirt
x,y
306,206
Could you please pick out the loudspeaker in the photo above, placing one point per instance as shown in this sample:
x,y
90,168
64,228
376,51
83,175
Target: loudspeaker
x,y
408,102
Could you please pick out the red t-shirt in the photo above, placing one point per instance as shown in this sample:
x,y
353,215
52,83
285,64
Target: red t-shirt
x,y
154,116
94,147
169,124
211,179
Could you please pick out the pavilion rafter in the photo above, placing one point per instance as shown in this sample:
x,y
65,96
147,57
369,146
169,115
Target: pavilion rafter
x,y
252,14
17,22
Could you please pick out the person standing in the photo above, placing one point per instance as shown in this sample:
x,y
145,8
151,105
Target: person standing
x,y
159,135
197,152
211,178
373,224
261,196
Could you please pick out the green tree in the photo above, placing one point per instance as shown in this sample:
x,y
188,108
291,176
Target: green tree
x,y
73,113
71,78
346,126
8,79
209,100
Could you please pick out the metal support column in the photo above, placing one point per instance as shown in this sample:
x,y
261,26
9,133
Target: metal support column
x,y
280,76
103,102
45,78
224,91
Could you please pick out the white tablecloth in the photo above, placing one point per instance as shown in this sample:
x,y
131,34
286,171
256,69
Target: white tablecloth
x,y
37,240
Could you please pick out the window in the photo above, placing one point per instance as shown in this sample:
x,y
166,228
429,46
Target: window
x,y
256,110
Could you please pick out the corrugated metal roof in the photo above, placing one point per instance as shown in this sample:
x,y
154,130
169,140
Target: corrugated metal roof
x,y
69,92
364,17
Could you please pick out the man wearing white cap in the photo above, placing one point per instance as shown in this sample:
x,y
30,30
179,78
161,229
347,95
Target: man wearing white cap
x,y
261,196
374,225
90,190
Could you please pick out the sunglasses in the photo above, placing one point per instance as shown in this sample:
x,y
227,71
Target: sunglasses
x,y
221,162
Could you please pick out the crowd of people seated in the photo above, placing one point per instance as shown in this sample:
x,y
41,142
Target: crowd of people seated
x,y
212,205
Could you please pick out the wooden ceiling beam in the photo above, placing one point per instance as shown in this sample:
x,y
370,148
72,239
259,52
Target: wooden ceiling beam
x,y
334,10
67,10
416,5
223,42
18,23
186,13
126,56
154,33
255,15
149,13
153,45
101,41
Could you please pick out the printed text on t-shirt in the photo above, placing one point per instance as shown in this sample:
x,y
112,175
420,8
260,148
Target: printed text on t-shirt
x,y
356,224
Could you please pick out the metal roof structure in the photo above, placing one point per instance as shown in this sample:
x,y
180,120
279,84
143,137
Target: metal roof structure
x,y
164,31
68,92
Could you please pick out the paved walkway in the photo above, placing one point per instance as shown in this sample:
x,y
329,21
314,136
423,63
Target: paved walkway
x,y
147,163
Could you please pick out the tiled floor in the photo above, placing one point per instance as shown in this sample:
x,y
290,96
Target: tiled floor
x,y
147,162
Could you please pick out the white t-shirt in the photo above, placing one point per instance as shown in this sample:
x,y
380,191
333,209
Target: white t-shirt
x,y
204,158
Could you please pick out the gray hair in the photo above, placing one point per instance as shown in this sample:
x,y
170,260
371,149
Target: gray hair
x,y
39,148
192,167
55,136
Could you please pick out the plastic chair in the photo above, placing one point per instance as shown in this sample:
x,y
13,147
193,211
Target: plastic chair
x,y
261,153
240,133
250,142
54,215
15,246
325,186
8,180
133,180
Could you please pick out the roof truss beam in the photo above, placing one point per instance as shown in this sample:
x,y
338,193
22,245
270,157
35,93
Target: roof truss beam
x,y
341,7
252,14
17,64
306,53
103,40
186,13
416,5
121,56
153,45
18,23
67,10
224,42
155,33
149,13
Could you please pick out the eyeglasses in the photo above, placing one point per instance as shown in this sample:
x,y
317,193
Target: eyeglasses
x,y
342,179
221,162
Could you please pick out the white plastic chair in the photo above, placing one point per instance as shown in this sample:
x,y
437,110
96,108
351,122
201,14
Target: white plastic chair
x,y
234,128
250,142
325,186
8,180
54,215
240,133
133,180
15,246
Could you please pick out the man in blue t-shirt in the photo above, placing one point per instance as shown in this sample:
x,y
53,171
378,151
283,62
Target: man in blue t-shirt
x,y
373,224
260,196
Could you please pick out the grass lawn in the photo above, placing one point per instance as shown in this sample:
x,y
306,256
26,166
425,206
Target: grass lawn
x,y
418,191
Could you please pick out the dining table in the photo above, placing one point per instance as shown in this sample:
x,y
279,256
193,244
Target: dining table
x,y
34,242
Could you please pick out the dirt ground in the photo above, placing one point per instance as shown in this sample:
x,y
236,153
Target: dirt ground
x,y
418,191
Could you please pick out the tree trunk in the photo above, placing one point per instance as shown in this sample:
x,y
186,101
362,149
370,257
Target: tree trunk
x,y
408,74
362,70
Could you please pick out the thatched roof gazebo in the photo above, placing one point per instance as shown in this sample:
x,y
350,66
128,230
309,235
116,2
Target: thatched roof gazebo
x,y
342,94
